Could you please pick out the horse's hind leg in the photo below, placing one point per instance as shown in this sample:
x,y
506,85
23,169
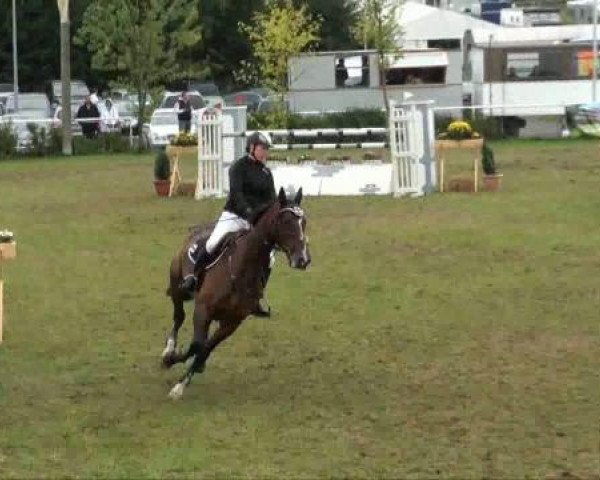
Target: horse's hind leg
x,y
168,353
201,326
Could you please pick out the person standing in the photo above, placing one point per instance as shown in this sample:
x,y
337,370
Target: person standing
x,y
109,113
341,73
183,108
89,118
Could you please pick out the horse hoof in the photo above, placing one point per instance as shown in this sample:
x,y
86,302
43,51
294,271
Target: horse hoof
x,y
168,354
176,392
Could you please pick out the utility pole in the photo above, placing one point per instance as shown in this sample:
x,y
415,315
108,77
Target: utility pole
x,y
595,49
15,61
65,75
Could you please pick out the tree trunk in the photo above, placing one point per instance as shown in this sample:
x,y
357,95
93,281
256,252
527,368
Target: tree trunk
x,y
140,116
382,75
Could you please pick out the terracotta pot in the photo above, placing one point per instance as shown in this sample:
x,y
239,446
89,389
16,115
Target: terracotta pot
x,y
492,183
460,184
162,187
8,250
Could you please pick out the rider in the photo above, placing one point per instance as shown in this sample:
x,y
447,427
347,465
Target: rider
x,y
251,190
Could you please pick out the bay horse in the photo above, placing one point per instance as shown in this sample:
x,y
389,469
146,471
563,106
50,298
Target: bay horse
x,y
232,285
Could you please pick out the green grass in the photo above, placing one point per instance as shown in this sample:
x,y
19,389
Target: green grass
x,y
452,336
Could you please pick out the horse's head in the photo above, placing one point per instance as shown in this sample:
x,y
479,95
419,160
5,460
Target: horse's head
x,y
289,230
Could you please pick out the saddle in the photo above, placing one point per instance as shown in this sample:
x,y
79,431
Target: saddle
x,y
199,235
226,243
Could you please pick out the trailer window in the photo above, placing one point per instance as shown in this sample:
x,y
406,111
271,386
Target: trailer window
x,y
352,71
415,76
444,43
522,65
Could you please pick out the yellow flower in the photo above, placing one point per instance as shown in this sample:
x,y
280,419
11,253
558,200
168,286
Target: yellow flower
x,y
459,129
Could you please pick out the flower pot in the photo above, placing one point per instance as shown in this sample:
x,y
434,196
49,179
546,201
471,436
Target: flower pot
x,y
461,184
8,250
447,143
162,187
492,183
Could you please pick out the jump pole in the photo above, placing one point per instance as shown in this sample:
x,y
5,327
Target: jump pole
x,y
8,251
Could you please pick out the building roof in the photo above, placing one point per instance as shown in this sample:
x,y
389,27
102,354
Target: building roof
x,y
422,22
549,35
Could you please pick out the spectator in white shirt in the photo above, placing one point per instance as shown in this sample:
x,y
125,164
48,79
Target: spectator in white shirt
x,y
109,114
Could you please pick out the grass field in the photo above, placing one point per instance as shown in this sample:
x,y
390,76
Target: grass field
x,y
452,336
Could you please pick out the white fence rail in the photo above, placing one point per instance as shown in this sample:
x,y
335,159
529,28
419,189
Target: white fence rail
x,y
210,155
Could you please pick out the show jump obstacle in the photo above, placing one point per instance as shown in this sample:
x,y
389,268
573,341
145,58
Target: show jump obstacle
x,y
410,137
8,251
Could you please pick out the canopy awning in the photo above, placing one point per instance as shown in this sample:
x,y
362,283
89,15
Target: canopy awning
x,y
420,60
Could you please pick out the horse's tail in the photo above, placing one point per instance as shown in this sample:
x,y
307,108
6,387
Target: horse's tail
x,y
168,291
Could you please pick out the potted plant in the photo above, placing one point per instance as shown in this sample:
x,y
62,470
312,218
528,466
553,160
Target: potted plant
x,y
7,245
491,178
184,139
458,135
162,174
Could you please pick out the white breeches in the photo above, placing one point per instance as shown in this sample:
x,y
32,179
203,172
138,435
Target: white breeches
x,y
229,222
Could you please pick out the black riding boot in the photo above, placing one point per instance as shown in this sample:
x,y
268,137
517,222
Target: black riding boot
x,y
262,309
196,260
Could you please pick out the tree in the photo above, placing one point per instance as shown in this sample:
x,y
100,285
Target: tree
x,y
39,43
278,33
338,18
378,27
224,46
140,44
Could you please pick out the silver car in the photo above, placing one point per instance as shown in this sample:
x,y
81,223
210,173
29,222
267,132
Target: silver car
x,y
34,108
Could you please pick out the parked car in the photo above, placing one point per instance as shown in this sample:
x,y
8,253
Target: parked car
x,y
262,91
122,95
33,108
79,91
57,121
33,104
272,103
210,93
128,112
170,99
163,127
6,90
250,99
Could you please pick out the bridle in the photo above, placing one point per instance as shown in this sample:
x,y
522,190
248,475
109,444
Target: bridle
x,y
294,210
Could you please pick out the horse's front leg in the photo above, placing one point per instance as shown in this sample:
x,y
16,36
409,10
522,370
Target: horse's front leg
x,y
169,355
196,349
199,363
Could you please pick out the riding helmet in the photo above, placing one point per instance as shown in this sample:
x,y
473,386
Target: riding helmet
x,y
258,138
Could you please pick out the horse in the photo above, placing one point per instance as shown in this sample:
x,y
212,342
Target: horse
x,y
232,285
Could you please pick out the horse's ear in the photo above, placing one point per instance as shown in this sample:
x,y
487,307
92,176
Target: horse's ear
x,y
282,197
298,197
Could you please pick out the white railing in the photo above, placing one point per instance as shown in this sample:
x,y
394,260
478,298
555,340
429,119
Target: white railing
x,y
407,144
123,122
406,138
210,155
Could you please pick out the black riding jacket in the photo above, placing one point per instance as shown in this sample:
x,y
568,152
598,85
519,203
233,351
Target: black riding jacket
x,y
251,188
184,110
